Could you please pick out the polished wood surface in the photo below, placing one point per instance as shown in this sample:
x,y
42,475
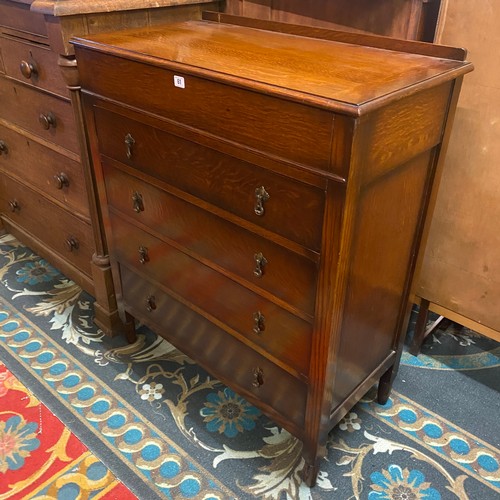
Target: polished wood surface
x,y
43,145
409,19
348,75
56,175
339,189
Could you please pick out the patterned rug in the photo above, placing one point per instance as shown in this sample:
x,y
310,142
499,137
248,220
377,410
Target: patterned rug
x,y
167,429
40,457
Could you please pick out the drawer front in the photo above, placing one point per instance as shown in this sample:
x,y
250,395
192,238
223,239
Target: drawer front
x,y
294,209
19,17
45,115
285,274
224,356
275,126
57,175
33,64
251,317
35,214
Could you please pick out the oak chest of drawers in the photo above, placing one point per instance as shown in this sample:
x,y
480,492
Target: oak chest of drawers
x,y
263,196
47,196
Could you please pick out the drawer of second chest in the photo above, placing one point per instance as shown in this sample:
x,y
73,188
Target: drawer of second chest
x,y
45,115
243,313
59,230
285,274
33,64
56,175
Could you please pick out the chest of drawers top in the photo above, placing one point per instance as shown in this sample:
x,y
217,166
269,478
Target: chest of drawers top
x,y
332,74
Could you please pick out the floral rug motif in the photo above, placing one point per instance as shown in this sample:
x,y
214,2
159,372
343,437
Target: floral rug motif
x,y
167,429
39,456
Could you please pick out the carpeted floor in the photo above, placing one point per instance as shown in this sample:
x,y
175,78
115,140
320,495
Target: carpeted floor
x,y
41,458
167,429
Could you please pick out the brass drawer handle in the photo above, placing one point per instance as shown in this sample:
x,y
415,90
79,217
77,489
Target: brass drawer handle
x,y
14,206
143,255
129,144
261,196
28,69
47,120
258,377
151,303
260,262
61,180
259,323
3,148
72,244
137,202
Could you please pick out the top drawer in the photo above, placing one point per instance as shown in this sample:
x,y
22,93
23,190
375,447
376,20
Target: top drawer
x,y
280,128
34,64
19,17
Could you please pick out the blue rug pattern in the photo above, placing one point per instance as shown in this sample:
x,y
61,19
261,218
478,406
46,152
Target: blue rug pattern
x,y
167,429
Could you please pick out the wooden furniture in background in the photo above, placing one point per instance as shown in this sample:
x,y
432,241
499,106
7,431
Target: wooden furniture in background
x,y
460,272
263,197
47,197
407,19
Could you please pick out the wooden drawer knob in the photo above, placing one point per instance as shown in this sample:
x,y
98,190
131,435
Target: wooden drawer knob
x,y
259,323
258,377
72,244
61,180
261,196
14,206
28,69
260,262
47,121
151,303
3,148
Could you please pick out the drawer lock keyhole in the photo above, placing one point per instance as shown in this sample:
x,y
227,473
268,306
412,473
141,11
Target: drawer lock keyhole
x,y
261,196
3,148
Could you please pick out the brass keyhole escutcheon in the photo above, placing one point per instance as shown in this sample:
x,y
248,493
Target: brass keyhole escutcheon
x,y
137,202
129,144
259,323
261,196
258,377
151,303
143,255
260,262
